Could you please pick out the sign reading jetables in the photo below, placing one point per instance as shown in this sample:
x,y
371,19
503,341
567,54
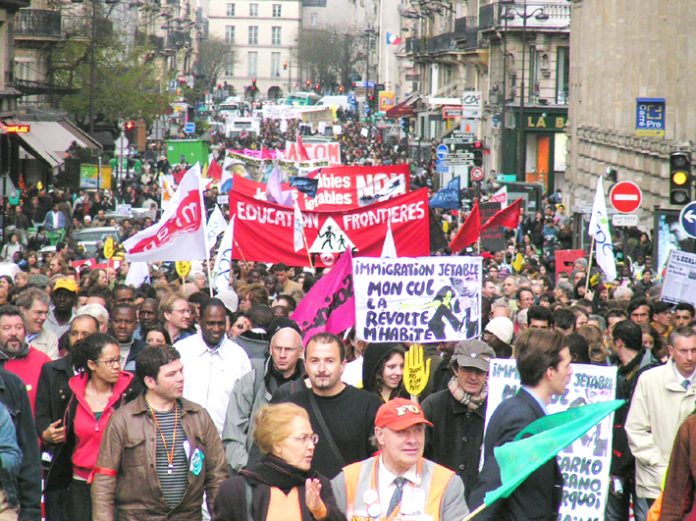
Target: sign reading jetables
x,y
585,464
428,299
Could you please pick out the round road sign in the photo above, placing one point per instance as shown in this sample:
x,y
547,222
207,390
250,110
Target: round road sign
x,y
625,197
441,152
687,219
476,173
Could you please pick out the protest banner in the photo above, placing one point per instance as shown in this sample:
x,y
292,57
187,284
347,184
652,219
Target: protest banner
x,y
565,259
429,299
585,464
342,187
264,231
329,152
493,238
680,278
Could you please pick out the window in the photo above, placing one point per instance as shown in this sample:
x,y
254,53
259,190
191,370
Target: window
x,y
313,20
252,60
253,9
275,65
562,75
229,33
275,35
277,10
253,35
229,68
230,9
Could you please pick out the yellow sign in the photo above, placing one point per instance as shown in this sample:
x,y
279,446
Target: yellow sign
x,y
387,99
416,370
183,268
109,247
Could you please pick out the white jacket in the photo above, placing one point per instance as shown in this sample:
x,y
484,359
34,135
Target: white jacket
x,y
659,406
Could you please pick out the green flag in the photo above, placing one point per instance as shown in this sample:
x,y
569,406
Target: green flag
x,y
549,435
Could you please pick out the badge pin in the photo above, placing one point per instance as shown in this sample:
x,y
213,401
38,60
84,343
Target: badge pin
x,y
370,496
374,510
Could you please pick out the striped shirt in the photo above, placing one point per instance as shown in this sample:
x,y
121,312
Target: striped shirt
x,y
173,480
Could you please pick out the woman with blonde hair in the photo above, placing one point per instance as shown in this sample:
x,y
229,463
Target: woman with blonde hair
x,y
282,486
595,344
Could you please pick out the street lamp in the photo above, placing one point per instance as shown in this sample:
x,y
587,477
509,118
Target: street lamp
x,y
369,33
539,14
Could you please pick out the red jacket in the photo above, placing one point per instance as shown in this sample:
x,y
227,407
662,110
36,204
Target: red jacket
x,y
88,430
28,369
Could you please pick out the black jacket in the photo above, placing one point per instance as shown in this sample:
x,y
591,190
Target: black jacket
x,y
14,395
456,436
539,496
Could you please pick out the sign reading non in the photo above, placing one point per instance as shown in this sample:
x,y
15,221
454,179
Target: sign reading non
x,y
650,117
424,299
625,196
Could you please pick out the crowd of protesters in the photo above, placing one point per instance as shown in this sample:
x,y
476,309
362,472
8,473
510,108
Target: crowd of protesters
x,y
90,369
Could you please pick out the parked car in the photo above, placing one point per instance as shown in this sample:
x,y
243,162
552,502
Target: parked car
x,y
91,238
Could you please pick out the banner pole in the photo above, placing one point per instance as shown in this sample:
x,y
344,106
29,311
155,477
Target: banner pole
x,y
210,277
589,266
475,512
306,244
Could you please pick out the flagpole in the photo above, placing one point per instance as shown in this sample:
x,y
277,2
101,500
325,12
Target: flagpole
x,y
210,277
306,244
475,512
589,266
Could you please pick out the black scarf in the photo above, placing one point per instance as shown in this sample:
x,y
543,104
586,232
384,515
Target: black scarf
x,y
275,472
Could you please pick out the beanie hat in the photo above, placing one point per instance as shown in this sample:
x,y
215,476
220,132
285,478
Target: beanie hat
x,y
502,327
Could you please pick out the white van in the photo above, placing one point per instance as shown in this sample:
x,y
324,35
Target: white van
x,y
339,102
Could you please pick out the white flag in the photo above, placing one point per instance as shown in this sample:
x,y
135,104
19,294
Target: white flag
x,y
389,247
599,229
298,228
180,234
216,225
223,260
138,272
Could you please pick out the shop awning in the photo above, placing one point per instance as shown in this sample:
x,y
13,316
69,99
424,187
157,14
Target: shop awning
x,y
404,109
48,140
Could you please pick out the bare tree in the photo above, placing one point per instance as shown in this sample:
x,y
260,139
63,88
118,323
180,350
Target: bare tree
x,y
216,55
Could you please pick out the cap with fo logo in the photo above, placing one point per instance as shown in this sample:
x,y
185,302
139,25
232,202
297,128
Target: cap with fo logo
x,y
399,414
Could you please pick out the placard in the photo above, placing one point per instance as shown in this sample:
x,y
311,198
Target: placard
x,y
425,299
585,464
680,278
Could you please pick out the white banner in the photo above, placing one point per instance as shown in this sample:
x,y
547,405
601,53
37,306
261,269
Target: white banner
x,y
585,464
425,299
329,152
680,278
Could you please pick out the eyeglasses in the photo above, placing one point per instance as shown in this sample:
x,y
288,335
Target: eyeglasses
x,y
305,438
114,362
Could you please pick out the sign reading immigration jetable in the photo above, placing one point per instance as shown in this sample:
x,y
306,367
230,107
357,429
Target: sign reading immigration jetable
x,y
264,231
342,187
427,299
650,117
585,464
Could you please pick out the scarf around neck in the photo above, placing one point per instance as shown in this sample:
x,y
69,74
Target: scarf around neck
x,y
275,472
473,402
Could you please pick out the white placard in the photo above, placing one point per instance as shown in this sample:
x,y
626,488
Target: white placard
x,y
680,278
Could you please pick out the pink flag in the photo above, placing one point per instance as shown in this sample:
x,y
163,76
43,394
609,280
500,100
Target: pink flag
x,y
215,170
329,307
180,234
301,149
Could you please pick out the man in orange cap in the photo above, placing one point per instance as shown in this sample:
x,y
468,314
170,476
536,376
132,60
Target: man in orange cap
x,y
399,482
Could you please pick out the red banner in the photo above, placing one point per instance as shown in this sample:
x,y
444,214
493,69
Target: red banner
x,y
565,260
342,187
264,231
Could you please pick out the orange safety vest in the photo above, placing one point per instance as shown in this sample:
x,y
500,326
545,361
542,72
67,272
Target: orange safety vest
x,y
436,481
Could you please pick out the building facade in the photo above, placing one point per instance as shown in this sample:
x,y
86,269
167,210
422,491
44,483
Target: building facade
x,y
624,53
264,34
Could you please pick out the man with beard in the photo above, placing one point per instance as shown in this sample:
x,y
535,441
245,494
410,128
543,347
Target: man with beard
x,y
52,397
341,415
17,356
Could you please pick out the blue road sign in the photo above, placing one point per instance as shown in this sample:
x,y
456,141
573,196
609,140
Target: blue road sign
x,y
190,128
687,219
441,167
442,151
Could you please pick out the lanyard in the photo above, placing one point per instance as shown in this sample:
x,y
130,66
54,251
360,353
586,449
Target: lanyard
x,y
169,452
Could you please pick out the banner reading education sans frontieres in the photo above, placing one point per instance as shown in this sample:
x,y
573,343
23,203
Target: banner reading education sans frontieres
x,y
585,464
425,299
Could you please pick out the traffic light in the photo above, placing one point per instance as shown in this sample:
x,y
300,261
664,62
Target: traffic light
x,y
477,149
317,88
372,102
405,126
680,178
129,130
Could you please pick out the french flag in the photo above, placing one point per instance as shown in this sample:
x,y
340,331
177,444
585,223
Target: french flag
x,y
393,39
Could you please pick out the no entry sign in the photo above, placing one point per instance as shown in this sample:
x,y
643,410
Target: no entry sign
x,y
625,197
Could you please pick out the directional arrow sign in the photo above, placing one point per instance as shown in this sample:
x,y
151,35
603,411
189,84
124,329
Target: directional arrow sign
x,y
687,219
442,151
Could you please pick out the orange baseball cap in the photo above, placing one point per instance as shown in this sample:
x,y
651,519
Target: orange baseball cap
x,y
399,414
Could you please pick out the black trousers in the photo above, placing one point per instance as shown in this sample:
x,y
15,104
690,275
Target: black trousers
x,y
79,501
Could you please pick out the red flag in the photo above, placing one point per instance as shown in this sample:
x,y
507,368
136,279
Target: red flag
x,y
214,170
470,231
301,150
506,218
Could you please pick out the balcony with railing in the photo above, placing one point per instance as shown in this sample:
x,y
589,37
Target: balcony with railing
x,y
38,23
441,43
492,16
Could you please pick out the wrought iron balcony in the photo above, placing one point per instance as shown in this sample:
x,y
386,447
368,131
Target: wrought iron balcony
x,y
42,23
491,16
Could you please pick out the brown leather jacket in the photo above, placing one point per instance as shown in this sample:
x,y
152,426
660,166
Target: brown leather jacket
x,y
128,448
